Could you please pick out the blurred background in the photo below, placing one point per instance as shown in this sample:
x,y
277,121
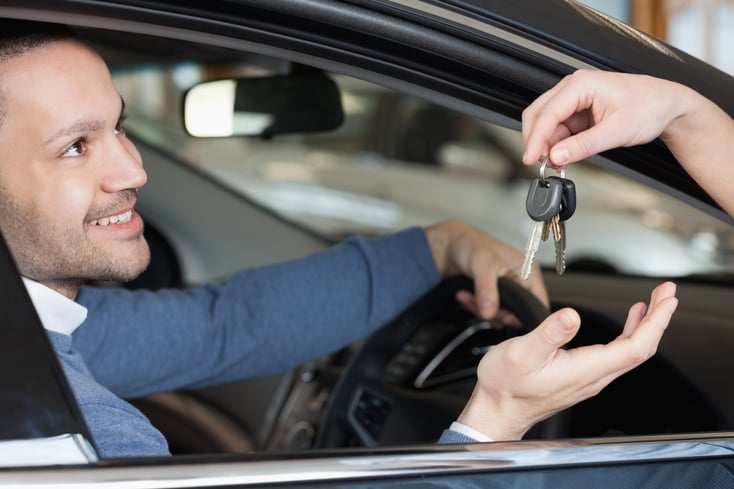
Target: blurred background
x,y
703,28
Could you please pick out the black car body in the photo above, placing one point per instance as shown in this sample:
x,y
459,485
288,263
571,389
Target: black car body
x,y
662,425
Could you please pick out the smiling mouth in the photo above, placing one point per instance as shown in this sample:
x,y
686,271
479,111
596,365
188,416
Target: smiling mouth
x,y
118,219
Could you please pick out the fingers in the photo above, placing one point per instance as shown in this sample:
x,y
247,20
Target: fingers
x,y
579,117
589,112
506,262
635,315
527,378
662,292
539,347
639,311
487,295
598,364
543,121
485,259
638,342
605,135
646,335
567,138
642,334
485,309
485,302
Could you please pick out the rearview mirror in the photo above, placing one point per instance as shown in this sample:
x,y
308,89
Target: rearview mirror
x,y
263,106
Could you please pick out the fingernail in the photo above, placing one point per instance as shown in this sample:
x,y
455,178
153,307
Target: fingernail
x,y
564,326
567,320
486,308
673,288
560,155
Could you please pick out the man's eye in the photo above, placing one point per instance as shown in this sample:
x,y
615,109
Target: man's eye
x,y
76,149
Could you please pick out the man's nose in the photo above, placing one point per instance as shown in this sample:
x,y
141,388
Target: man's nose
x,y
123,167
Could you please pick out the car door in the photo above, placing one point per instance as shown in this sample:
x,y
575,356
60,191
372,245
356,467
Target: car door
x,y
476,58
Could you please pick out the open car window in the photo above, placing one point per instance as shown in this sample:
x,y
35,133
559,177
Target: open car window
x,y
410,151
398,160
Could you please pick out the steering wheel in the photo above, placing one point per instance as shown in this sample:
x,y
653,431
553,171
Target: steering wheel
x,y
411,378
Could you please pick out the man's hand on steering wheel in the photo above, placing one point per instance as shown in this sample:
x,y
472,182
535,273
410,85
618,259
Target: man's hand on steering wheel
x,y
460,249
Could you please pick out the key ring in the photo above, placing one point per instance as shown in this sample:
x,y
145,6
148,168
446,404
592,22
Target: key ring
x,y
543,165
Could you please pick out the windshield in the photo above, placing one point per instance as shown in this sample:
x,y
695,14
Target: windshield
x,y
379,172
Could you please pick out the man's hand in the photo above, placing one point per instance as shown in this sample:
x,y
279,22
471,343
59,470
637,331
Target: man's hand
x,y
529,378
459,248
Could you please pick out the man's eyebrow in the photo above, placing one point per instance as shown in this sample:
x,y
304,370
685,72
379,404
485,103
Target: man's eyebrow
x,y
84,126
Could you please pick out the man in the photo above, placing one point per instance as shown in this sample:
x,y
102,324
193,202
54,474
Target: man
x,y
68,186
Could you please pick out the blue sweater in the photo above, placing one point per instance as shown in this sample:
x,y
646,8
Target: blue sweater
x,y
261,321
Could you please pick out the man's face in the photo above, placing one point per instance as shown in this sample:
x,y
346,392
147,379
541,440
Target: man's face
x,y
68,174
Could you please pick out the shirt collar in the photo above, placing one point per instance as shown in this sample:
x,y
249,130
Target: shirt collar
x,y
57,312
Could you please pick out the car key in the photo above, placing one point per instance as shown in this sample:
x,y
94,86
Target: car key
x,y
568,207
531,248
568,202
542,203
559,235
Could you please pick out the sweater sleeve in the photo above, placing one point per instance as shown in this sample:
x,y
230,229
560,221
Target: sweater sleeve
x,y
261,321
449,437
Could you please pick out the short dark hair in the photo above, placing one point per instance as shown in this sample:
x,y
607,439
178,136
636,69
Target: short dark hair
x,y
17,37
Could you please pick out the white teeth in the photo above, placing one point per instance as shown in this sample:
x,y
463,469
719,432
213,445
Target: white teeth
x,y
118,219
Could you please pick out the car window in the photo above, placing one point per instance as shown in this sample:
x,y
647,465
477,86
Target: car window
x,y
398,160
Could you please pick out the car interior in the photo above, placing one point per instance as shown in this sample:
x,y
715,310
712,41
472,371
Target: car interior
x,y
404,384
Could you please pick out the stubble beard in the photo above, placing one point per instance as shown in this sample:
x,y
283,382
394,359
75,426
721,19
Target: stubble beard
x,y
64,259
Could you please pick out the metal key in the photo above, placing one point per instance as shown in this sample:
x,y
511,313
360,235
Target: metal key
x,y
560,244
531,248
546,231
542,203
568,207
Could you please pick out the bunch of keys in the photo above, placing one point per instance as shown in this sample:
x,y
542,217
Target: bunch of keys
x,y
550,202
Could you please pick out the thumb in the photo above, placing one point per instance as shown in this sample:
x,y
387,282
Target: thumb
x,y
555,331
600,137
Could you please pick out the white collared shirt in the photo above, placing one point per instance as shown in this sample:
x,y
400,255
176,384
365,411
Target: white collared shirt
x,y
469,431
57,312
